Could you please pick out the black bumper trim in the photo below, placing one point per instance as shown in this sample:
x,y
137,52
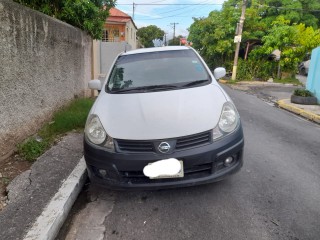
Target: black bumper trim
x,y
117,163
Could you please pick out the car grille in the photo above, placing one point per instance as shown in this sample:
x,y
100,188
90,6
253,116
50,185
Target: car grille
x,y
182,143
193,140
135,146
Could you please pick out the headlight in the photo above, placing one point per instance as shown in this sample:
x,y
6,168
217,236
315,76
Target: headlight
x,y
96,134
228,121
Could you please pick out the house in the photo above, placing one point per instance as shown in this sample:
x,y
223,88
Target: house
x,y
120,27
119,35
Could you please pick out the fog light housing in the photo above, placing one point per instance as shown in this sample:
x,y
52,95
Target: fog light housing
x,y
228,161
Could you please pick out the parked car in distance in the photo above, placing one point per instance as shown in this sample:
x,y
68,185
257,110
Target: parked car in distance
x,y
304,68
161,120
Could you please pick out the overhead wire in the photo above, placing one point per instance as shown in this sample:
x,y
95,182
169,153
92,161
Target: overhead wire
x,y
175,15
181,8
170,4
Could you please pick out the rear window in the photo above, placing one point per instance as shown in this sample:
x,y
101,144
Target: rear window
x,y
176,68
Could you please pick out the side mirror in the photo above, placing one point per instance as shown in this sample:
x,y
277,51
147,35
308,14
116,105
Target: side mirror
x,y
219,72
95,84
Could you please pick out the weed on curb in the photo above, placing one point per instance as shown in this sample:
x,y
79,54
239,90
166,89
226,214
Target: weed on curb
x,y
71,117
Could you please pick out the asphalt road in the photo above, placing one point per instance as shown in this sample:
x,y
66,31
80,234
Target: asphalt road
x,y
276,195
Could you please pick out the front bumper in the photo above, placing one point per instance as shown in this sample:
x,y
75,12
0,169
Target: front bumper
x,y
201,165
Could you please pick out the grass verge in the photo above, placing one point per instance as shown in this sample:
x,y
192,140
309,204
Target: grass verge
x,y
66,119
288,80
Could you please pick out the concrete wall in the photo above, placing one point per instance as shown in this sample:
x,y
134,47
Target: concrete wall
x,y
44,63
108,52
313,82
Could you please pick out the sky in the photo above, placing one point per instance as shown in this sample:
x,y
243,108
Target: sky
x,y
164,15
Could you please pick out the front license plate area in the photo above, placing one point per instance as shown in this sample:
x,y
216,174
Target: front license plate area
x,y
180,174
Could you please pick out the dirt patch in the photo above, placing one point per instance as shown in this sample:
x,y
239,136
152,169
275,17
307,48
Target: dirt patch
x,y
9,169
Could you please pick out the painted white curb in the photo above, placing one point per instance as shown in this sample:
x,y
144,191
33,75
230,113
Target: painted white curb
x,y
52,218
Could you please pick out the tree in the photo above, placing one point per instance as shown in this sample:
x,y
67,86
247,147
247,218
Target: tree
x,y
148,34
88,15
213,36
294,42
175,41
299,11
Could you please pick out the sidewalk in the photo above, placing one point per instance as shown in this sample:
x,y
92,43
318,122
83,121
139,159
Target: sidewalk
x,y
40,198
279,94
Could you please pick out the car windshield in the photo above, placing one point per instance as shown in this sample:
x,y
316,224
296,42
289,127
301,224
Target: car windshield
x,y
157,71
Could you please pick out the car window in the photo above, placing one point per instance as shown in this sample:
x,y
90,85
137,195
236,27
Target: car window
x,y
164,68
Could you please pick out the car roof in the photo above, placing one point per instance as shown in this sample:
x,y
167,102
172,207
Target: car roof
x,y
155,49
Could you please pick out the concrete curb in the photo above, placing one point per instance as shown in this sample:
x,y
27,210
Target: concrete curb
x,y
309,115
52,218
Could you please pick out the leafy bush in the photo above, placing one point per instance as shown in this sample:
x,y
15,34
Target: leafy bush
x,y
302,93
255,69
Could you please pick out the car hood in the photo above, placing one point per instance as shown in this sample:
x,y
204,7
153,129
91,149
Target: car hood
x,y
160,115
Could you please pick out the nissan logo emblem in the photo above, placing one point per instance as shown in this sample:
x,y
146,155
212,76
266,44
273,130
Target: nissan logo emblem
x,y
164,147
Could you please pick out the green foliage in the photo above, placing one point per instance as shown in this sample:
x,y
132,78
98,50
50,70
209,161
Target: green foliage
x,y
213,36
290,26
255,69
66,119
291,80
302,93
88,15
175,41
298,11
294,42
32,149
149,33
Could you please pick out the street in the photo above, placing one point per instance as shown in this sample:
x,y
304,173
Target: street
x,y
276,195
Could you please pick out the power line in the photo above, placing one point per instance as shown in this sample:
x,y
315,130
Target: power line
x,y
170,4
154,19
175,15
174,10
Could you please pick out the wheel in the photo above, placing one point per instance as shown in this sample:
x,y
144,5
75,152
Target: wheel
x,y
303,71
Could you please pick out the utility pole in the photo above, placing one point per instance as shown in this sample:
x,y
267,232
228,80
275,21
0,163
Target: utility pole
x,y
174,29
133,9
165,39
238,40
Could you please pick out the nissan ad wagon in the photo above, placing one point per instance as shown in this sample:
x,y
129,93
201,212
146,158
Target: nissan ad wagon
x,y
161,120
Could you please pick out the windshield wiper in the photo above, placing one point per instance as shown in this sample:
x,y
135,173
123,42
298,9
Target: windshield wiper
x,y
123,90
145,88
159,87
194,83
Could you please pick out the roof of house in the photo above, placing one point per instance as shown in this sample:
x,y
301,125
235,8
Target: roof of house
x,y
115,15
